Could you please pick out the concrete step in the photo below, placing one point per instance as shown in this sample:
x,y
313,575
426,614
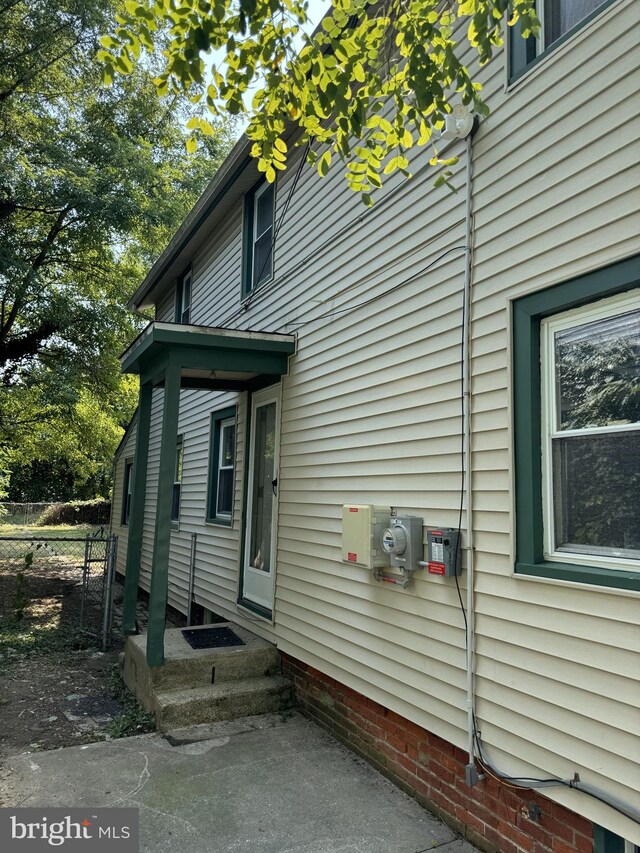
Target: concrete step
x,y
223,701
187,667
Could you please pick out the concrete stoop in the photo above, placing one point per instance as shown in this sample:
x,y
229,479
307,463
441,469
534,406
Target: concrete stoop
x,y
206,685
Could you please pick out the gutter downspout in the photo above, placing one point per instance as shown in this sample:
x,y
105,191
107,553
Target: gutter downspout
x,y
472,773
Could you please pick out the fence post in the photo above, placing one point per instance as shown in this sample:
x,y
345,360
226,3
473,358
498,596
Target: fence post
x,y
107,606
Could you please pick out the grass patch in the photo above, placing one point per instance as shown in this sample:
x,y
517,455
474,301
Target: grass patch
x,y
21,641
134,720
49,531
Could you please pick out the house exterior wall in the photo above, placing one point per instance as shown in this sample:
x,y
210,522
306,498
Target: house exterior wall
x,y
371,414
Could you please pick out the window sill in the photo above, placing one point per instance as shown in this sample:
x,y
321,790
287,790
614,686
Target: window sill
x,y
257,289
175,525
220,522
596,576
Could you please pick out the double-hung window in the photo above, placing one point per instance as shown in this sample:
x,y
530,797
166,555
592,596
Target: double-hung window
x,y
590,361
258,236
183,299
177,481
576,358
222,466
559,19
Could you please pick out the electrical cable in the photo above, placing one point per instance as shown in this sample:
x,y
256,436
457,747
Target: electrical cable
x,y
338,311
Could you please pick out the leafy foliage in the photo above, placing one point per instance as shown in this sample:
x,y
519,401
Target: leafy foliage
x,y
371,82
94,512
92,184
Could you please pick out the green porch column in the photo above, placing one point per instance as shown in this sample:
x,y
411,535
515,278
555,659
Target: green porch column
x,y
136,514
160,564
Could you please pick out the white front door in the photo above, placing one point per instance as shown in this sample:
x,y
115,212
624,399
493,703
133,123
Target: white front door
x,y
258,576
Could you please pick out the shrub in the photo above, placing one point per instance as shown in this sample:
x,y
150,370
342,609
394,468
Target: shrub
x,y
96,512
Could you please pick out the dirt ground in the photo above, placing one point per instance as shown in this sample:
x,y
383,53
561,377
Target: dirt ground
x,y
57,688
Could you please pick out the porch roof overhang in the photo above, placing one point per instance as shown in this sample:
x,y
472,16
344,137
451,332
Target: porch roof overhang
x,y
210,358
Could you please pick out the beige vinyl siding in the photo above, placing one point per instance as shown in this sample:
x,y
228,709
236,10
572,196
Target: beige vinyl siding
x,y
557,673
166,307
371,414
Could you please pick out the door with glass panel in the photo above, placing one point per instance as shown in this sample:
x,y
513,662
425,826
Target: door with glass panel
x,y
262,500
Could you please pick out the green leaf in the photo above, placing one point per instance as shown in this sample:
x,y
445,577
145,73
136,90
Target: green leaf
x,y
323,164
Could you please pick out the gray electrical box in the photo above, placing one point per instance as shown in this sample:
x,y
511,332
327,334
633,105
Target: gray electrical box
x,y
442,552
402,541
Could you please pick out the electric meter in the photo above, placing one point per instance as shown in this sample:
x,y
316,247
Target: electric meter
x,y
402,541
394,540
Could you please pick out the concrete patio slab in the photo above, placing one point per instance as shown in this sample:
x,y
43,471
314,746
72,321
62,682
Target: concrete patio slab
x,y
269,784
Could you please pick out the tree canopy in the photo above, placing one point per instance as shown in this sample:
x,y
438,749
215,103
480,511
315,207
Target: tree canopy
x,y
375,79
93,182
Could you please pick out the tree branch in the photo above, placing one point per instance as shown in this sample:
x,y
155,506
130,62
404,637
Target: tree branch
x,y
37,262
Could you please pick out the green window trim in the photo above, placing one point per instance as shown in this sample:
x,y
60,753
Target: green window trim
x,y
525,54
605,841
217,418
528,311
127,484
177,483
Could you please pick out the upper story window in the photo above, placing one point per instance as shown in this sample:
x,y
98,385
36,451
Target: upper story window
x,y
258,236
559,19
183,299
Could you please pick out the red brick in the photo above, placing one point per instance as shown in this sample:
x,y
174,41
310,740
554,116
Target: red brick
x,y
500,843
571,819
558,828
583,844
470,820
396,742
524,841
561,847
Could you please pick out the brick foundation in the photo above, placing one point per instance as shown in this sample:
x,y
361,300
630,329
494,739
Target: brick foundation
x,y
491,815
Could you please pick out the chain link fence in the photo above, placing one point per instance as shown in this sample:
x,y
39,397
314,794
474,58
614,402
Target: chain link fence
x,y
22,513
79,571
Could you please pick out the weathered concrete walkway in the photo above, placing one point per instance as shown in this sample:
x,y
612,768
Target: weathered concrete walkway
x,y
267,784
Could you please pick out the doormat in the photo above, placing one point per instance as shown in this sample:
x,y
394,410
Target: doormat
x,y
211,638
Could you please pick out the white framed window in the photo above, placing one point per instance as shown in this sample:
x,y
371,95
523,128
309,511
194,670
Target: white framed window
x,y
258,236
590,378
222,461
559,19
177,481
183,299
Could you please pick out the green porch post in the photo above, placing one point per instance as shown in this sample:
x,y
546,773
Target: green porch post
x,y
160,564
136,515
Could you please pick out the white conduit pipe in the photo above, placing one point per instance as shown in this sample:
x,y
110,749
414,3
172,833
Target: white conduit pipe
x,y
466,391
